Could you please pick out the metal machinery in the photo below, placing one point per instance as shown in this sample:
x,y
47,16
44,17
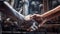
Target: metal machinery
x,y
17,20
11,18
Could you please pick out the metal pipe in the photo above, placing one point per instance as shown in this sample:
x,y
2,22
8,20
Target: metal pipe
x,y
9,11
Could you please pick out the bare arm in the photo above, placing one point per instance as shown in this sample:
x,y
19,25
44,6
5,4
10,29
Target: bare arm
x,y
52,12
41,19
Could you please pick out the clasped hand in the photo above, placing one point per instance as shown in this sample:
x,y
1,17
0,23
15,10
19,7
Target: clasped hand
x,y
35,20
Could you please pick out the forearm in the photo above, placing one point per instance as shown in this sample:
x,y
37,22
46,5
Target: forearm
x,y
52,13
55,10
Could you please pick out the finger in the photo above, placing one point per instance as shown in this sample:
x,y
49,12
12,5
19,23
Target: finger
x,y
28,17
36,15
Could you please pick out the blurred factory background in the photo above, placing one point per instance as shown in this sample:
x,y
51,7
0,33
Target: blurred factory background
x,y
26,7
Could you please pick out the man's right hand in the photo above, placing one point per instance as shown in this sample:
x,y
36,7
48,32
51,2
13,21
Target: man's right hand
x,y
37,19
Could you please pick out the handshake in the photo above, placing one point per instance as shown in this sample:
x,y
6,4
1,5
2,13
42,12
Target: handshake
x,y
38,20
29,22
34,22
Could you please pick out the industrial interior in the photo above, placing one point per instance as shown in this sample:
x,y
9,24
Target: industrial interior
x,y
13,12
